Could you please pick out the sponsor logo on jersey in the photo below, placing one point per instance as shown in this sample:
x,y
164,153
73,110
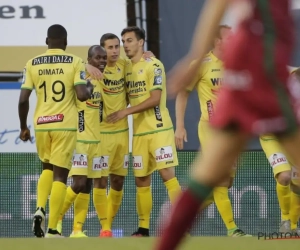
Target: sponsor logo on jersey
x,y
157,80
137,162
81,126
215,70
157,113
277,159
157,72
52,59
50,119
164,154
80,161
216,81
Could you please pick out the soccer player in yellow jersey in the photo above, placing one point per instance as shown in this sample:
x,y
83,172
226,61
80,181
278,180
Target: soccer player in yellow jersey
x,y
87,163
153,146
207,83
57,77
287,177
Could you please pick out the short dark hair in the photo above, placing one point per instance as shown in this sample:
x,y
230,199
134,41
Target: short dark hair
x,y
139,33
92,48
57,31
107,36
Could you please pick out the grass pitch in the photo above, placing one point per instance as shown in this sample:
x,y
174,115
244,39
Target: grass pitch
x,y
190,243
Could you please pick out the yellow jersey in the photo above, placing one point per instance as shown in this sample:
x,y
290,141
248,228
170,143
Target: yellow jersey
x,y
113,96
53,75
207,83
88,115
148,75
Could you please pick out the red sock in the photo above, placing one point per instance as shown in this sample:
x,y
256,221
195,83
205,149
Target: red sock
x,y
181,220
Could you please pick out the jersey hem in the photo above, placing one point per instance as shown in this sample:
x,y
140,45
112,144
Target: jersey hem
x,y
114,132
153,132
88,142
55,129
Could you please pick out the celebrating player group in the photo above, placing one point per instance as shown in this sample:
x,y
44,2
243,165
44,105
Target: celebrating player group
x,y
82,132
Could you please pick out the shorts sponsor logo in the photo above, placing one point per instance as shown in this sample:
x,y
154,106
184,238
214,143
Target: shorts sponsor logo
x,y
277,160
126,161
50,119
96,164
295,174
137,162
103,161
80,161
164,154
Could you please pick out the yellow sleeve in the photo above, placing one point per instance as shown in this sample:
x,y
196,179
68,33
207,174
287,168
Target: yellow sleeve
x,y
156,75
27,82
80,75
197,78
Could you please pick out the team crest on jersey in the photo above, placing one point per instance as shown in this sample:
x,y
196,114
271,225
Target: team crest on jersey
x,y
82,75
24,76
140,71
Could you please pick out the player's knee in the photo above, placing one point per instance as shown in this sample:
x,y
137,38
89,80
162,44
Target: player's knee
x,y
88,186
295,188
79,184
284,178
101,183
117,182
143,181
167,173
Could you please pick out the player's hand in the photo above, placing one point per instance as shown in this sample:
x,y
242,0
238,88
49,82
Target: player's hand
x,y
180,137
25,135
94,72
181,75
90,86
148,54
117,116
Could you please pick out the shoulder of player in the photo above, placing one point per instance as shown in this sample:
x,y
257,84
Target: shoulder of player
x,y
154,63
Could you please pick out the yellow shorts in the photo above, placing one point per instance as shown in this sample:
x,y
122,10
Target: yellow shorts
x,y
204,135
115,149
86,160
277,157
153,152
56,147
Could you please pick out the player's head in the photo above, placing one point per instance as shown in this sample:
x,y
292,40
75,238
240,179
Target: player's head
x,y
97,57
57,37
133,39
223,33
111,43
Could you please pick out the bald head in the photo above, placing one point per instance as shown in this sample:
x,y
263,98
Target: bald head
x,y
97,57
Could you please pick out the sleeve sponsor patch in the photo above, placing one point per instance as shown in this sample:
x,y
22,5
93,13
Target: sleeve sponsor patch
x,y
82,75
157,80
157,71
24,76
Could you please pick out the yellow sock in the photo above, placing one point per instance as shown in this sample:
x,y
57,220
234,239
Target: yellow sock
x,y
44,187
57,197
224,207
284,199
69,199
144,206
100,203
81,207
173,188
295,210
114,201
209,200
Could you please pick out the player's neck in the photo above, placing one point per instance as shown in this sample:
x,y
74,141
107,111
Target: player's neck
x,y
217,53
111,64
137,57
56,47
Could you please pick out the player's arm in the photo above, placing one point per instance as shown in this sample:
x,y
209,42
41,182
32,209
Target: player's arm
x,y
180,108
83,88
156,78
182,75
23,106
